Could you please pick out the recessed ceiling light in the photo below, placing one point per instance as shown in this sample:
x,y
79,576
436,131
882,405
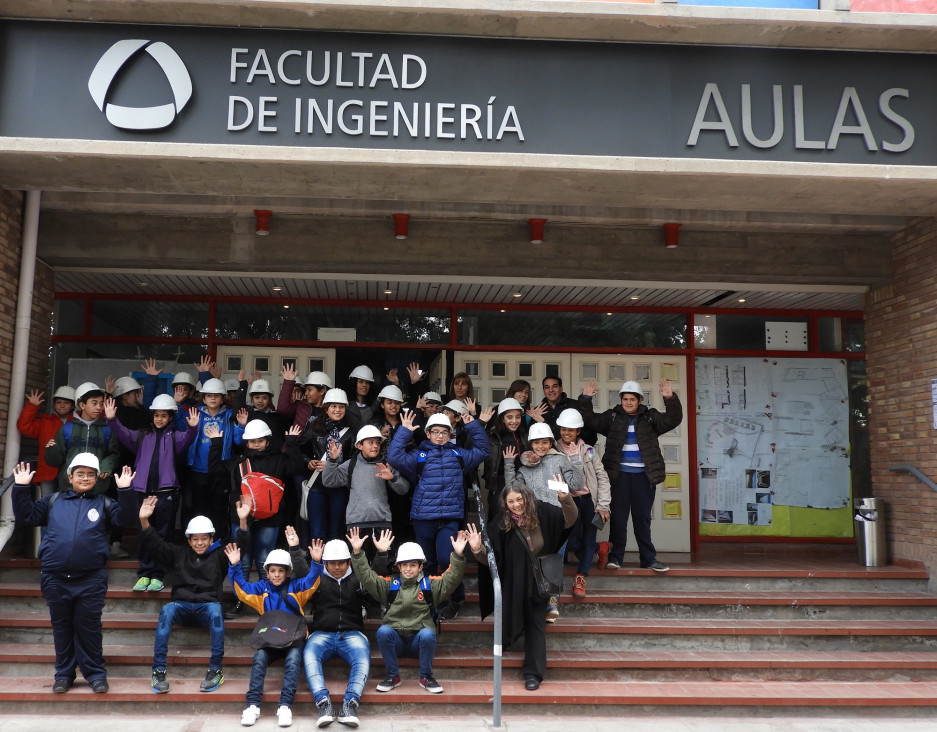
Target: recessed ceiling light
x,y
286,307
143,284
388,292
608,313
635,297
518,294
276,288
741,299
504,311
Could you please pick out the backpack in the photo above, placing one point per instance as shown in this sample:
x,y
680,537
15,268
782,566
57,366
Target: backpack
x,y
425,589
265,491
67,433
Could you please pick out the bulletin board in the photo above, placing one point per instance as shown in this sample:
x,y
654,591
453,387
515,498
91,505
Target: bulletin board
x,y
772,447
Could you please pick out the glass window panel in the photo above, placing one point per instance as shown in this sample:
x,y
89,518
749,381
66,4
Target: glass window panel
x,y
525,370
288,361
613,398
589,371
746,332
149,319
499,369
671,453
551,369
316,364
616,372
69,317
471,368
587,330
233,363
642,372
262,364
497,395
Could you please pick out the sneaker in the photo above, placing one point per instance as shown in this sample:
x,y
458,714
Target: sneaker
x,y
117,551
213,679
430,684
141,584
612,565
450,611
388,684
602,554
553,610
100,686
234,610
160,685
326,716
155,585
249,716
349,714
579,586
658,566
284,716
60,686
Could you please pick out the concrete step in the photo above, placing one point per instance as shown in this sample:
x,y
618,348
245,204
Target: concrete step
x,y
24,693
36,659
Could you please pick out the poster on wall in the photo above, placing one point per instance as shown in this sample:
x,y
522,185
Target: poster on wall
x,y
771,433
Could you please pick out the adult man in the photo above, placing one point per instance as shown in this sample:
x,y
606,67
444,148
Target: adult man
x,y
553,403
634,463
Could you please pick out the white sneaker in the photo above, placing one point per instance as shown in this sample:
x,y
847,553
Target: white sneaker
x,y
250,715
284,716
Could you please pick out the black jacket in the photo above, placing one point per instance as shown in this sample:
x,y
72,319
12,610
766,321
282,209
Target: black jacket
x,y
337,604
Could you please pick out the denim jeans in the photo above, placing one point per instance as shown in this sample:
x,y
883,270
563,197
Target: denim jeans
x,y
263,540
263,658
393,644
582,540
326,511
198,614
434,538
352,647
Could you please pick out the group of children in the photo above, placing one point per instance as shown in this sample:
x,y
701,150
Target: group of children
x,y
338,468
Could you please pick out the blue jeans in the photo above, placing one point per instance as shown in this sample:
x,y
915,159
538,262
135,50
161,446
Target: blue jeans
x,y
434,537
263,658
198,614
325,508
263,540
582,540
352,647
392,644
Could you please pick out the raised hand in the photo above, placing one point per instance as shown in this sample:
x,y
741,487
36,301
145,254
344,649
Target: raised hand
x,y
413,369
211,431
149,367
295,430
191,418
666,390
315,550
288,371
292,538
147,507
536,412
22,475
356,540
125,477
486,415
110,383
474,538
243,507
215,370
233,554
392,377
110,407
242,417
384,472
34,397
591,388
204,365
408,419
458,542
335,450
510,452
471,405
384,541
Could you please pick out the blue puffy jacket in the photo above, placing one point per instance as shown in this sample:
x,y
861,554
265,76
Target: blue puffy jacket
x,y
439,492
78,528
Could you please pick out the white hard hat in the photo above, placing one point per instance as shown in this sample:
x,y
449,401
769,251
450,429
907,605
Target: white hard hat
x,y
571,419
164,402
432,396
183,378
361,372
438,420
126,384
456,406
335,550
257,429
64,392
213,386
319,378
200,525
506,405
631,387
410,551
539,431
232,384
84,460
82,390
391,392
280,557
259,387
369,430
335,396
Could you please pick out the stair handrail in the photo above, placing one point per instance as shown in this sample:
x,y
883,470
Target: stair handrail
x,y
498,610
916,473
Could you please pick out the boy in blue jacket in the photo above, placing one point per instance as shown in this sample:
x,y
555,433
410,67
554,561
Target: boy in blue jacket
x,y
282,601
436,469
73,552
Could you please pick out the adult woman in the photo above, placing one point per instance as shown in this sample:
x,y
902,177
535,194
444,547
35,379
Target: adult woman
x,y
463,390
526,528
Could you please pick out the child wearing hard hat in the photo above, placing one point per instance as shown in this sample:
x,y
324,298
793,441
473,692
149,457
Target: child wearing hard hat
x,y
360,382
409,626
337,631
199,569
73,552
42,427
155,449
280,631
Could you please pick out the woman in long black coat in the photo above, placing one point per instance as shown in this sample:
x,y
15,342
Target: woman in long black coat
x,y
523,520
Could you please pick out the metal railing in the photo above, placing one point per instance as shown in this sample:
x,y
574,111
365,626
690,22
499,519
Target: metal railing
x,y
498,610
916,473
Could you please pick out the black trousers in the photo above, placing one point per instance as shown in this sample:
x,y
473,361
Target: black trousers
x,y
75,607
535,637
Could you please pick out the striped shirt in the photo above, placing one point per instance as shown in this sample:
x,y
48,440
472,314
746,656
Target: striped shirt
x,y
630,454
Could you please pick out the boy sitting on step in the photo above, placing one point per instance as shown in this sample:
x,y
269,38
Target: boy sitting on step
x,y
281,629
411,598
199,570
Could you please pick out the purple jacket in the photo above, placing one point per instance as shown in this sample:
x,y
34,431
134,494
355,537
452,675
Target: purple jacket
x,y
173,443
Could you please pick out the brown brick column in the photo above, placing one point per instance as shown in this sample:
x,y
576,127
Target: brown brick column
x,y
901,343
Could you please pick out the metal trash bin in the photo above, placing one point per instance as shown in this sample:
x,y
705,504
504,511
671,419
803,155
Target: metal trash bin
x,y
869,520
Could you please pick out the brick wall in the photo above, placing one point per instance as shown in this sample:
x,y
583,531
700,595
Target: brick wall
x,y
901,341
11,218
